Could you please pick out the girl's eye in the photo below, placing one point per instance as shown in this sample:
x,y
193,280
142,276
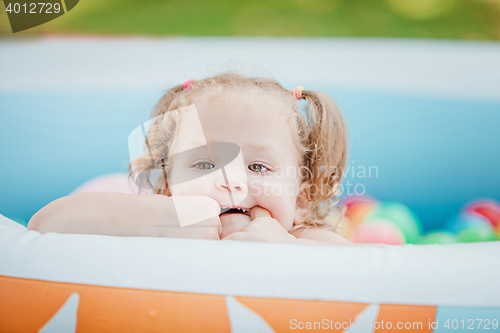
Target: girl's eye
x,y
257,167
204,166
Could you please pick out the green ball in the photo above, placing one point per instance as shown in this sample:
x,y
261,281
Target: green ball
x,y
401,216
439,237
477,235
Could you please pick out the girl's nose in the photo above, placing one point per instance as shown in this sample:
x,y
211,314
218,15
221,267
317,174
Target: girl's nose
x,y
233,185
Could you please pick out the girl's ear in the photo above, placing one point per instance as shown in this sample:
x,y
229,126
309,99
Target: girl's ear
x,y
301,203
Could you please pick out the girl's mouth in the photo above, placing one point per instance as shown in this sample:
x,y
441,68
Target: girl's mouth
x,y
230,210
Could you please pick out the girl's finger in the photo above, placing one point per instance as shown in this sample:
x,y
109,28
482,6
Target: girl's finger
x,y
257,212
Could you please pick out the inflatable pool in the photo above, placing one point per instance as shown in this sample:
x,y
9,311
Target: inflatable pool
x,y
408,105
86,283
424,113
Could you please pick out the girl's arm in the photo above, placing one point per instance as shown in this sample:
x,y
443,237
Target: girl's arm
x,y
127,215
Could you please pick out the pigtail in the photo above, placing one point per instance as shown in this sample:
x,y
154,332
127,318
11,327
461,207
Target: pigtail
x,y
150,170
166,102
326,155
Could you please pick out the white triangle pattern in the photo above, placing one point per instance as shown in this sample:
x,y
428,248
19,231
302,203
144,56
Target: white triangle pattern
x,y
243,320
365,321
64,321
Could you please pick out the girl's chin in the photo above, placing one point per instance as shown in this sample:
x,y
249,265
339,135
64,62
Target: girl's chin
x,y
233,223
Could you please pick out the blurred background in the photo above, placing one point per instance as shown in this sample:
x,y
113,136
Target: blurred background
x,y
450,19
418,82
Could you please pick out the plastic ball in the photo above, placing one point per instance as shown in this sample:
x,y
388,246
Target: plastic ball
x,y
477,235
353,200
401,216
378,232
465,221
488,209
358,211
357,208
439,237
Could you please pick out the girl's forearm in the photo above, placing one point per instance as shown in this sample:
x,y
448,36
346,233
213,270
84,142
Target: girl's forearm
x,y
104,213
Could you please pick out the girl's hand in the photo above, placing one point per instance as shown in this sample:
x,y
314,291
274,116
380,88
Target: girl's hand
x,y
263,228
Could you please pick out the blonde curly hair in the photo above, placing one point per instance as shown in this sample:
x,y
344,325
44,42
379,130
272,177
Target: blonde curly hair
x,y
321,138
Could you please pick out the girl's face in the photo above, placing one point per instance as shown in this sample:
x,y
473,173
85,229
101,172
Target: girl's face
x,y
240,154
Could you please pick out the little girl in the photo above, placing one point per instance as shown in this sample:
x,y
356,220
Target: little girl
x,y
229,157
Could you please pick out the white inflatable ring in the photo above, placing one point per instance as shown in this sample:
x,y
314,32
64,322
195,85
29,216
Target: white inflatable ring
x,y
89,283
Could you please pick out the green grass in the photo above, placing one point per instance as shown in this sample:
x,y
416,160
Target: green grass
x,y
450,19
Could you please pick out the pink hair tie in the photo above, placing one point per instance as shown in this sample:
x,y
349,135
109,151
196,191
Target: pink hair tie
x,y
188,84
297,92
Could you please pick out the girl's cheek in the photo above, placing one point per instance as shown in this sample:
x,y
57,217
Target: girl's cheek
x,y
203,186
277,197
282,189
255,187
189,188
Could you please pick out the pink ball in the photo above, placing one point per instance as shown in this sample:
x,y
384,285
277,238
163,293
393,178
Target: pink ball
x,y
377,233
